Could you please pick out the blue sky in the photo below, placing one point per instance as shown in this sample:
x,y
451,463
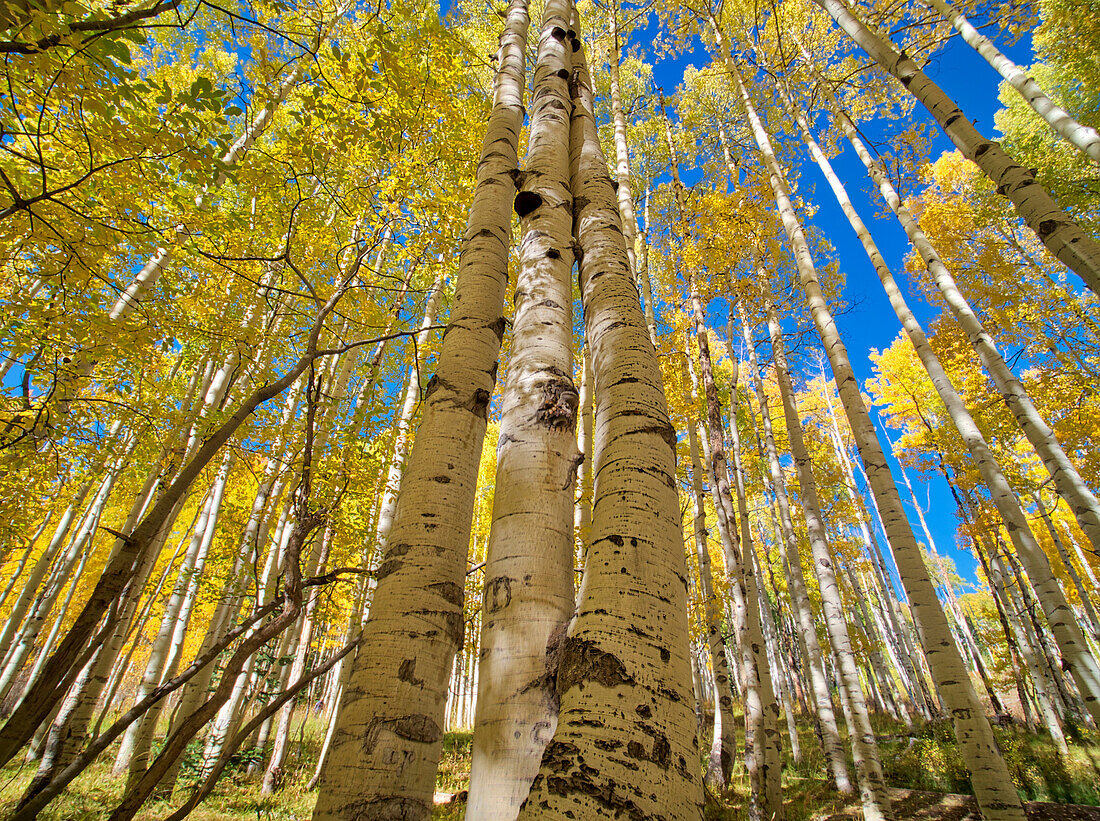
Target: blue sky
x,y
869,323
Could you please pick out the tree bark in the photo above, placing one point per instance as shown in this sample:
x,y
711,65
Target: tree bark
x,y
386,746
528,594
626,738
993,787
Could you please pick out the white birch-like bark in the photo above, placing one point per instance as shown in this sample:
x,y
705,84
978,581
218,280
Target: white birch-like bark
x,y
582,517
528,594
136,747
622,152
993,786
1082,592
1080,136
876,803
1063,622
1070,485
796,585
626,739
273,775
1025,640
888,625
1059,232
1071,640
723,741
410,401
648,307
720,765
761,708
386,747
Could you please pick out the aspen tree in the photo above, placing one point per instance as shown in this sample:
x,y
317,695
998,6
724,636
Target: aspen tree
x,y
1062,620
761,709
876,803
528,595
647,283
582,517
993,788
386,745
1078,655
1058,231
1080,136
796,584
1070,485
626,732
723,743
719,771
1091,619
892,626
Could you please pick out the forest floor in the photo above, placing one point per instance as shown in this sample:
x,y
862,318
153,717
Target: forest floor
x,y
922,766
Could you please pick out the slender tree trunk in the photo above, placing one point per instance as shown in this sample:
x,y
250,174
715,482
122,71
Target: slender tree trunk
x,y
796,586
1070,485
876,803
723,747
993,787
764,759
723,744
1058,231
1091,619
582,517
1080,136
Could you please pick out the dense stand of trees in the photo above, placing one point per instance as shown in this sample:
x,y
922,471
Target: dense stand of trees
x,y
265,264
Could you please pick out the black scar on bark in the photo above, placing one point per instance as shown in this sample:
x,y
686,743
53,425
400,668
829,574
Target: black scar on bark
x,y
481,403
449,591
558,33
526,202
563,73
583,661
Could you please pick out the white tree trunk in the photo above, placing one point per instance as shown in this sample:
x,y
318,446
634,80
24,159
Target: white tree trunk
x,y
528,595
724,741
993,786
626,731
1061,123
386,747
1058,231
876,803
796,585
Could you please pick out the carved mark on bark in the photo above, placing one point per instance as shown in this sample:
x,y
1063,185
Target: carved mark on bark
x,y
387,809
498,593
